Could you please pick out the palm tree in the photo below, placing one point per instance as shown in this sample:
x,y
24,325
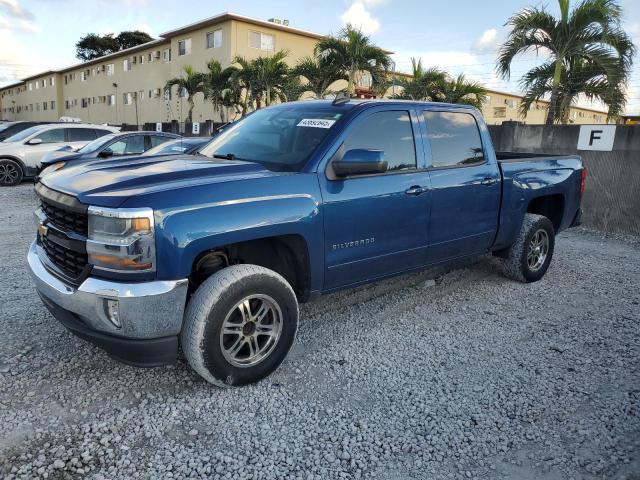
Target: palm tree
x,y
582,78
422,84
320,73
271,74
191,83
460,90
217,83
589,33
262,78
353,52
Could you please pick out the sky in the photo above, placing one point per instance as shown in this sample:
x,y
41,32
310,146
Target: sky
x,y
459,36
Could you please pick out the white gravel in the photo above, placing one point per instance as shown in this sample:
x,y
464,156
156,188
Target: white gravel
x,y
470,376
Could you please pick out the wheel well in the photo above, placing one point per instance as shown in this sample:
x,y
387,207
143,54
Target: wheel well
x,y
17,160
286,254
551,206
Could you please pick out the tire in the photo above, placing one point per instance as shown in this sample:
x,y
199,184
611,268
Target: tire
x,y
536,230
11,173
219,302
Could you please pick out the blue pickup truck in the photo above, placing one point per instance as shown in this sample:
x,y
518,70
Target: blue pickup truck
x,y
214,252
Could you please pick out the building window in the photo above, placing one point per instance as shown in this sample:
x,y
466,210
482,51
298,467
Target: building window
x,y
52,81
45,105
150,57
184,47
83,76
30,86
166,55
66,104
488,99
511,103
262,41
141,95
214,39
126,65
127,98
167,95
37,107
53,104
111,69
84,102
111,99
500,112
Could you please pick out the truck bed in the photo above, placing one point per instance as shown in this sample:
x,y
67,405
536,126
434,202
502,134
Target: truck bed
x,y
526,156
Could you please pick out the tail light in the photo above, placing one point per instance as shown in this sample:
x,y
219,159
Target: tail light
x,y
583,178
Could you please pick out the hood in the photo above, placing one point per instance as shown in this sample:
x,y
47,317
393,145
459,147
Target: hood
x,y
109,183
58,156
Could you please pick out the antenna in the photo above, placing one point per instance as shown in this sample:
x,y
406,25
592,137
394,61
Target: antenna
x,y
341,98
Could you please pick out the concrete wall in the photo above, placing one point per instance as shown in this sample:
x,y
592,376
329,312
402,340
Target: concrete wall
x,y
612,198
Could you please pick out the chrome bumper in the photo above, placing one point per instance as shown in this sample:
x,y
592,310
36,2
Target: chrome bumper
x,y
146,310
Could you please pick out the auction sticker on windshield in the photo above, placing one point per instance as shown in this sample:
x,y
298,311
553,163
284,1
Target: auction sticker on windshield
x,y
316,123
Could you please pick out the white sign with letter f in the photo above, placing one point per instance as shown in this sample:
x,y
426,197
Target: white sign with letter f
x,y
597,137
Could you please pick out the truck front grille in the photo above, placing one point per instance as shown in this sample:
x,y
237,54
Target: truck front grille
x,y
66,220
70,262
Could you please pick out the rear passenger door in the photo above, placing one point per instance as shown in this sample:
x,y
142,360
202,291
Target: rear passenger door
x,y
79,137
376,224
465,195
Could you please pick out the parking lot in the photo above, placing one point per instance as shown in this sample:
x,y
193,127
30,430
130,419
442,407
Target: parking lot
x,y
465,375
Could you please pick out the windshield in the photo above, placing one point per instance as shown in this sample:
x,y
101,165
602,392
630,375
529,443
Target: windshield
x,y
175,146
24,134
96,144
278,138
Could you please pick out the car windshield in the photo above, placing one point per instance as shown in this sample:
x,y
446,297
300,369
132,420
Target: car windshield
x,y
281,138
18,137
174,146
97,143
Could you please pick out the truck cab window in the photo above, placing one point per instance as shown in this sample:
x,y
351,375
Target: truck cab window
x,y
454,139
390,132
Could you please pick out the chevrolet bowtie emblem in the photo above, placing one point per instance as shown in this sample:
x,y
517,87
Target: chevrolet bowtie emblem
x,y
42,230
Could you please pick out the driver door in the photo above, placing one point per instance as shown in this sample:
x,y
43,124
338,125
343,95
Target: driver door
x,y
376,224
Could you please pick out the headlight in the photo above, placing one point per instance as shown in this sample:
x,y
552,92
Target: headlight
x,y
121,239
51,168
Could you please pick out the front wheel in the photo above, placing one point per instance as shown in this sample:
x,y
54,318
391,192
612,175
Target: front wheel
x,y
10,173
529,257
239,325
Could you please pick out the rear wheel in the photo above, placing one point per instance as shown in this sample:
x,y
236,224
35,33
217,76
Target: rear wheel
x,y
239,325
529,257
10,173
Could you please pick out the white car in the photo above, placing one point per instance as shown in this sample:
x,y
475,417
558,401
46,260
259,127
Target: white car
x,y
21,153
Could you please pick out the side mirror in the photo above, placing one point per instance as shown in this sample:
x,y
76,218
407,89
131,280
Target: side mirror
x,y
106,153
359,162
34,141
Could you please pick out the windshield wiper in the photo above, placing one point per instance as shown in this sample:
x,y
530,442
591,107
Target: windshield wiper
x,y
231,156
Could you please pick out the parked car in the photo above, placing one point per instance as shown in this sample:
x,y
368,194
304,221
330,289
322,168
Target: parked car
x,y
107,146
189,146
296,200
11,128
21,153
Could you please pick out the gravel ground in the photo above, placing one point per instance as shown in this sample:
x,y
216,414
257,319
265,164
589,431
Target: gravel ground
x,y
467,376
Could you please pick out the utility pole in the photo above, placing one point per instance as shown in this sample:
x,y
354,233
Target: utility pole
x,y
115,85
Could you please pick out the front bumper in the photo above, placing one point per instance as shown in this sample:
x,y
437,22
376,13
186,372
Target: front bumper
x,y
150,313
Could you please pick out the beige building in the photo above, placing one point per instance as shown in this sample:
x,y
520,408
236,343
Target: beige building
x,y
128,86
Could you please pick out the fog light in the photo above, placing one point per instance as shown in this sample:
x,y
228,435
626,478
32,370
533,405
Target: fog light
x,y
112,310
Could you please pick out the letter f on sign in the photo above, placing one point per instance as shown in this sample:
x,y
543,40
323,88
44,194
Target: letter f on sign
x,y
595,135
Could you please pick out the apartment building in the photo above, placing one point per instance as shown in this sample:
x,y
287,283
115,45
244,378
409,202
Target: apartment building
x,y
128,86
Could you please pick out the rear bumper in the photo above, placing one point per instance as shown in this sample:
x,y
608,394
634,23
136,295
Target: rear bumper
x,y
150,313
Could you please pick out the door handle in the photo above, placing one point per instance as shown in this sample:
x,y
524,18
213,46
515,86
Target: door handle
x,y
489,181
415,190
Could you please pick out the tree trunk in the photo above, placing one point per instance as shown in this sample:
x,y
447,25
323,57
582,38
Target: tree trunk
x,y
551,113
190,114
